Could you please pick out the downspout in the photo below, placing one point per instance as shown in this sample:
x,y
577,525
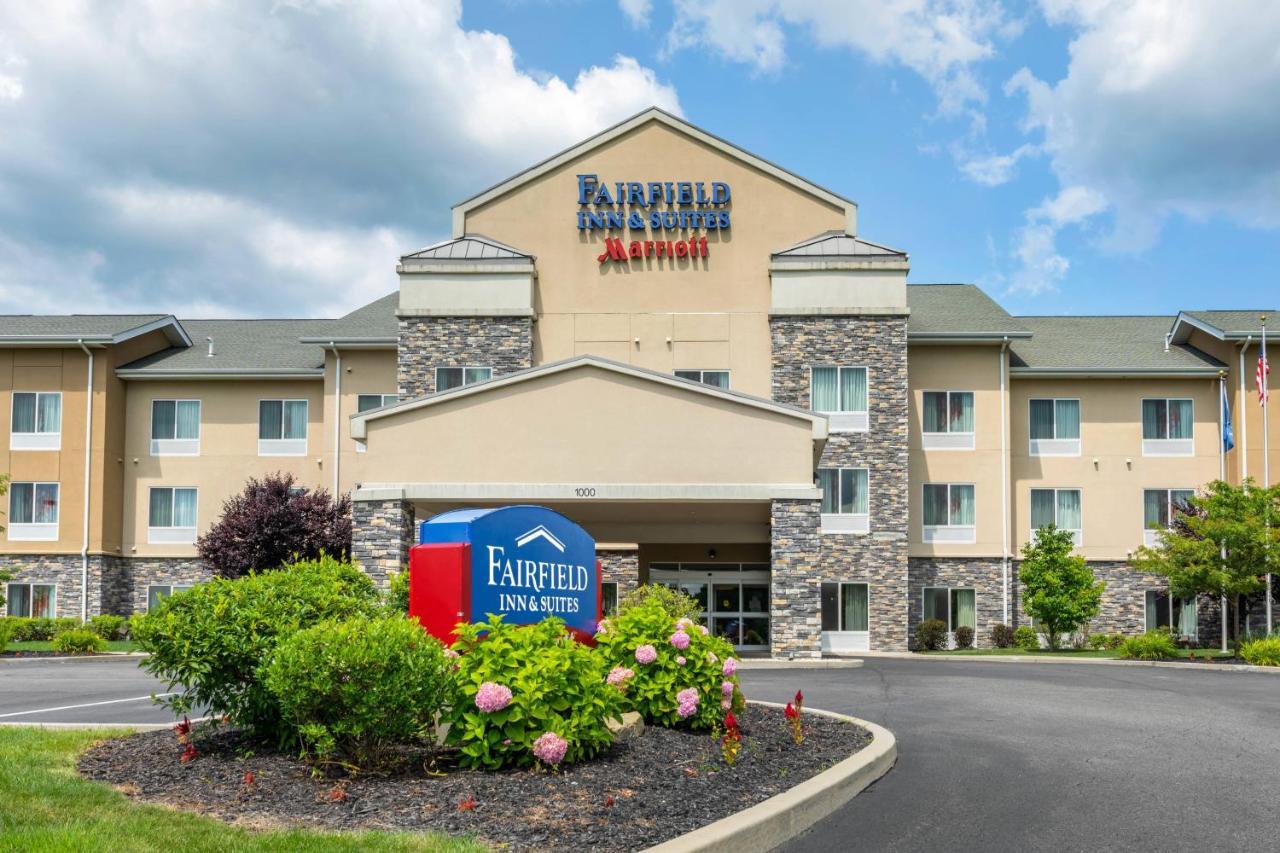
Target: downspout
x,y
1004,476
337,415
88,460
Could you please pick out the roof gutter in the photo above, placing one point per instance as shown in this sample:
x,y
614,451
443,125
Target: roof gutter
x,y
143,373
964,337
88,459
1112,373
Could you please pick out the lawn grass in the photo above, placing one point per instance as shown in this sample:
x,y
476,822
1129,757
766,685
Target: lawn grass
x,y
47,646
46,806
1113,654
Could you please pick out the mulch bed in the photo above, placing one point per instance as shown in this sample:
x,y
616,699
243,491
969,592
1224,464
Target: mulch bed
x,y
639,793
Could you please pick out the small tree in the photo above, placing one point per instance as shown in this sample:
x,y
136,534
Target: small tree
x,y
272,523
1060,591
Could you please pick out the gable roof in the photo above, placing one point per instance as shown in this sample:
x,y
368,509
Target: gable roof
x,y
242,349
652,114
1120,345
837,244
957,312
818,422
371,326
472,247
70,329
1223,325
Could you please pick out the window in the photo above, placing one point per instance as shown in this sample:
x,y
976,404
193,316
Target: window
x,y
37,420
1159,508
1055,427
33,512
172,517
609,598
157,592
175,427
844,607
282,427
949,513
1166,428
948,420
38,600
714,378
841,394
448,378
1059,507
1176,614
845,502
956,606
365,402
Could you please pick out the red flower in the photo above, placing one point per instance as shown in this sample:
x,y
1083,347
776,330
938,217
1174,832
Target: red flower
x,y
467,803
609,801
792,713
799,698
730,721
248,778
338,793
189,754
182,729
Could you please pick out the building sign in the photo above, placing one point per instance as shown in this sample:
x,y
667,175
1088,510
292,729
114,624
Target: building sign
x,y
666,211
524,562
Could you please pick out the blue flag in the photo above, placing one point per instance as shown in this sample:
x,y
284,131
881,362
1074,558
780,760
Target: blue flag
x,y
1228,437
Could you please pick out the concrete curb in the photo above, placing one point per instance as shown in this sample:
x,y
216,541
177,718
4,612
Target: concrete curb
x,y
799,663
1168,664
140,727
116,656
766,825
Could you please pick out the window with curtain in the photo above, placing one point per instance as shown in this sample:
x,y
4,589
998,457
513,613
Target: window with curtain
x,y
448,378
1166,419
956,606
37,412
1176,614
844,491
33,503
949,505
34,600
838,389
1055,419
172,508
714,378
158,592
282,419
1059,507
948,411
844,606
365,402
1161,506
175,419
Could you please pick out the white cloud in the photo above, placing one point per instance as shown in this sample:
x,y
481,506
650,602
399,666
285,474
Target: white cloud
x,y
993,170
1041,267
260,158
938,39
637,11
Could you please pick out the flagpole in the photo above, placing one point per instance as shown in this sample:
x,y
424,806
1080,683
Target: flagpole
x,y
1264,377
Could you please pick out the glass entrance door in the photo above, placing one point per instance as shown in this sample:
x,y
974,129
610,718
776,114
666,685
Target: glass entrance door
x,y
734,597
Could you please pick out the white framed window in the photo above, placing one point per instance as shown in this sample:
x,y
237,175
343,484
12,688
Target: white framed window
x,y
171,516
1159,508
36,423
845,617
365,402
949,513
38,600
1059,507
282,427
1167,427
841,394
156,592
448,378
714,378
33,512
1165,611
175,427
609,598
846,503
1055,427
954,605
947,420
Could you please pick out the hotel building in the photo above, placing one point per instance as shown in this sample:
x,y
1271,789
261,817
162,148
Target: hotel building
x,y
690,351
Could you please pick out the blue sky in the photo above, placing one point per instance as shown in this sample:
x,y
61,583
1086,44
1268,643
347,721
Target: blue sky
x,y
1070,156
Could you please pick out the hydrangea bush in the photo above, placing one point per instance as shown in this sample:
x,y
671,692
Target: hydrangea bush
x,y
669,669
528,694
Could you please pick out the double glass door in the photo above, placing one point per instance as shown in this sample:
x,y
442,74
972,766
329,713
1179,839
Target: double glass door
x,y
734,597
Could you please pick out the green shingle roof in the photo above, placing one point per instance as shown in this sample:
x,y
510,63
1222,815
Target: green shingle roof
x,y
239,346
957,310
1238,322
1105,344
70,326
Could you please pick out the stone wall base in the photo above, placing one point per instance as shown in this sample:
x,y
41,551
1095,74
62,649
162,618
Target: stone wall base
x,y
117,585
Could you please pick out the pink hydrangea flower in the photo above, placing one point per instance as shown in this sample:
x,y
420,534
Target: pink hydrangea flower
x,y
550,748
619,676
680,660
646,654
703,629
493,697
729,668
688,702
683,623
725,704
451,654
603,627
680,640
726,688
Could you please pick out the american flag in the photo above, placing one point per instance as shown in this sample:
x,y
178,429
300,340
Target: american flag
x,y
1263,369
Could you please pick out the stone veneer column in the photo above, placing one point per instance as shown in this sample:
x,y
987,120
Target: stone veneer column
x,y
795,608
382,532
879,558
502,343
621,567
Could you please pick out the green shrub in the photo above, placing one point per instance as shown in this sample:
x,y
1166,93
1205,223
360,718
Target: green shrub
x,y
556,685
1026,638
353,689
964,637
677,604
6,634
626,641
398,592
214,639
1264,651
77,641
1098,641
132,624
1115,641
1001,636
107,627
931,635
1153,645
40,628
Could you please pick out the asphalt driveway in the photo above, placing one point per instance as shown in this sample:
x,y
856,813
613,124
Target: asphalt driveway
x,y
1031,757
95,690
